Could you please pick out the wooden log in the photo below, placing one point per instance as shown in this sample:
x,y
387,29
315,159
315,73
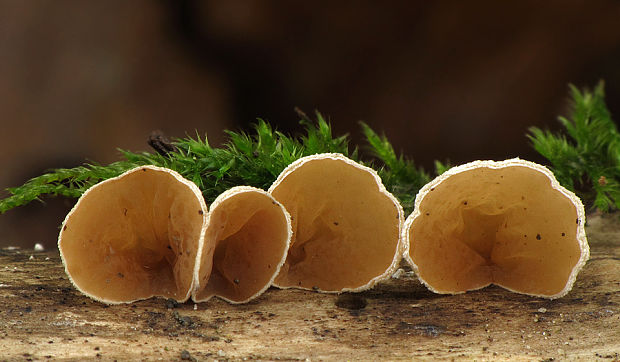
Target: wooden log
x,y
44,317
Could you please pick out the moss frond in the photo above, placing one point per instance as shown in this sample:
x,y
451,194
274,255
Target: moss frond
x,y
585,157
254,159
68,182
400,175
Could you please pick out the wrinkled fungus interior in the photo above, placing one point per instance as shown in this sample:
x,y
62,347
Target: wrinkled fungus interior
x,y
134,237
345,230
505,226
247,238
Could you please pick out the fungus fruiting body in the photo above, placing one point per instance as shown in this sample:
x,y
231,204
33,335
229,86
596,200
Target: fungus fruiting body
x,y
148,233
245,245
135,236
346,225
508,223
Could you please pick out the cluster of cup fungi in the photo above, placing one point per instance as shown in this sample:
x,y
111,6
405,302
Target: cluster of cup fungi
x,y
326,224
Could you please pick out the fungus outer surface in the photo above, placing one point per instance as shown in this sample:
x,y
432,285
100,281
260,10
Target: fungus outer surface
x,y
507,223
134,236
346,225
245,245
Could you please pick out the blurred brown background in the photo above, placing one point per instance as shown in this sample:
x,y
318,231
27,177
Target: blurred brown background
x,y
444,80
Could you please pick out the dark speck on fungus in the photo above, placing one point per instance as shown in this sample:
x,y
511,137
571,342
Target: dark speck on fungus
x,y
200,212
538,237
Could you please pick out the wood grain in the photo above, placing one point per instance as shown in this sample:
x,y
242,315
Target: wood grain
x,y
44,317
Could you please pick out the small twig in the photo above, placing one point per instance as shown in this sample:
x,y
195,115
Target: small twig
x,y
302,114
161,143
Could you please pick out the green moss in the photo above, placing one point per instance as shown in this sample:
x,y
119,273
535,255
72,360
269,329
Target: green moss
x,y
585,155
254,159
585,158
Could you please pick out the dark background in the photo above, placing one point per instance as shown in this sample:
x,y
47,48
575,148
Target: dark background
x,y
443,79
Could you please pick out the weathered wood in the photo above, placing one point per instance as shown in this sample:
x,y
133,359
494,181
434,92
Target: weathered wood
x,y
43,316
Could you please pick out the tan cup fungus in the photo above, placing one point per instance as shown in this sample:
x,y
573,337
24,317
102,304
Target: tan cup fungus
x,y
135,236
246,243
346,225
508,223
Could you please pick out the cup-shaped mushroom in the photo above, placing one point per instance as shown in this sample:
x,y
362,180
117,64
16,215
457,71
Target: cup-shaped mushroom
x,y
508,223
135,236
245,245
346,225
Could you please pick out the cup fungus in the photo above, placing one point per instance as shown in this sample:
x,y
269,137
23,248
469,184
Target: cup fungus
x,y
246,242
346,225
508,223
135,236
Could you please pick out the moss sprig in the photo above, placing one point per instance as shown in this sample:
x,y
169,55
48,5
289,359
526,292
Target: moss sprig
x,y
585,157
399,174
254,159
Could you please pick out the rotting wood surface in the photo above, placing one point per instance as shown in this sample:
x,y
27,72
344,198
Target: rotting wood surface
x,y
44,317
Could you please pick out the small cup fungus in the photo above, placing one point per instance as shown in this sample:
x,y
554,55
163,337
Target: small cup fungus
x,y
135,236
246,243
346,225
508,223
